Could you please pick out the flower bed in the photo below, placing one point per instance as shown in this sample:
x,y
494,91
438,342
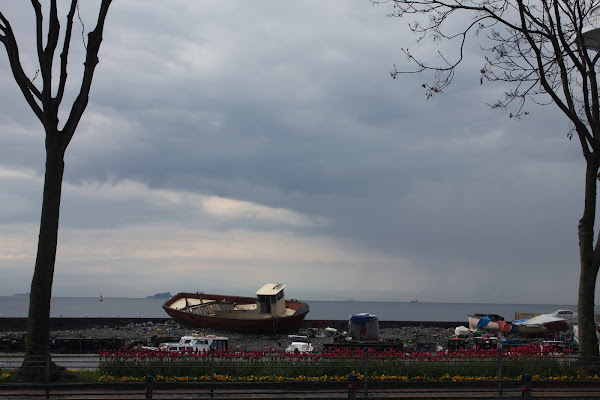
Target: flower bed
x,y
336,365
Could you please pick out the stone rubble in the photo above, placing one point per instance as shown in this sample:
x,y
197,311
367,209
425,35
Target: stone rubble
x,y
151,334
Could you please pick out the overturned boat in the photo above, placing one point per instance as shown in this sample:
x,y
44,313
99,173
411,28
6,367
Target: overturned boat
x,y
268,312
560,320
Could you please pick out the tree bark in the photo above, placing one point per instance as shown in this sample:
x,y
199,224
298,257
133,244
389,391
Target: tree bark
x,y
588,343
38,321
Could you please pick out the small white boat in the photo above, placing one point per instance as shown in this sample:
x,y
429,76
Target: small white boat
x,y
568,315
197,343
484,321
489,322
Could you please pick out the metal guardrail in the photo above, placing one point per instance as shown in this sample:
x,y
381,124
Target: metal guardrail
x,y
355,384
345,390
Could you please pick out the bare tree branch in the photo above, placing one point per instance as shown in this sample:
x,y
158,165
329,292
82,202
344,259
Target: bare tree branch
x,y
538,48
82,27
91,60
30,92
65,54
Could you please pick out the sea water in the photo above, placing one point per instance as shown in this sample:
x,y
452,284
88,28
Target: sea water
x,y
113,307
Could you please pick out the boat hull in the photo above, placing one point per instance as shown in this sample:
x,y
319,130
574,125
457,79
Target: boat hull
x,y
543,326
270,325
492,325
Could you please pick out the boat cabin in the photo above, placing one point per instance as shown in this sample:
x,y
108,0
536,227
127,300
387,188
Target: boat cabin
x,y
271,299
197,343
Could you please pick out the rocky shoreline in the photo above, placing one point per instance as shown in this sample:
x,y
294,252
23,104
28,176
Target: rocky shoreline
x,y
151,334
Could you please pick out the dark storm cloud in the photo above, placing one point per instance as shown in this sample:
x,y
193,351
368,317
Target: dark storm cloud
x,y
288,110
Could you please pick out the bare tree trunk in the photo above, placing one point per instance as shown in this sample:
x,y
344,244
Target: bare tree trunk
x,y
38,321
588,343
46,108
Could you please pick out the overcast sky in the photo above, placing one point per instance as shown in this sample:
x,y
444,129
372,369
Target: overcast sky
x,y
228,144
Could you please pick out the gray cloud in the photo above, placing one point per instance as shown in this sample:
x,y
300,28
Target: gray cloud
x,y
288,111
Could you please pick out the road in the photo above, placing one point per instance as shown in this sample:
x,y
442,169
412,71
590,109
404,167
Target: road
x,y
69,361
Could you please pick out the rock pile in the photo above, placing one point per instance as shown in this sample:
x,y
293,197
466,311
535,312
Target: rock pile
x,y
151,334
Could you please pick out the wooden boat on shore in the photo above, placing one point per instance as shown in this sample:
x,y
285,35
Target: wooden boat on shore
x,y
269,312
